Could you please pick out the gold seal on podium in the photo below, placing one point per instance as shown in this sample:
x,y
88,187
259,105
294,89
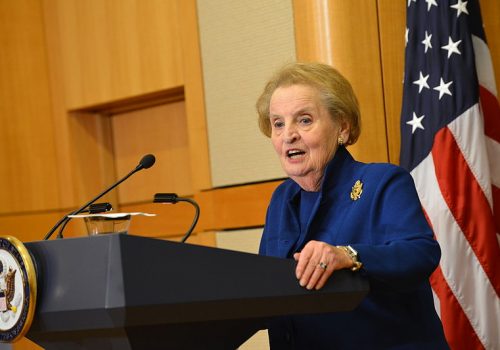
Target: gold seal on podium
x,y
17,289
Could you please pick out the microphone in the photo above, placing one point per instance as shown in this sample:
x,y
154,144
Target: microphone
x,y
172,198
145,163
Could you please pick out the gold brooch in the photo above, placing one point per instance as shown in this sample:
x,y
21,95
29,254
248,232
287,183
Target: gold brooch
x,y
357,189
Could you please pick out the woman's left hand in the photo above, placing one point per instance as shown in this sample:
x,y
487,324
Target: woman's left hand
x,y
316,263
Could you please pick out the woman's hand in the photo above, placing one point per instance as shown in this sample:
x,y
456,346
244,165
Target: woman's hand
x,y
316,263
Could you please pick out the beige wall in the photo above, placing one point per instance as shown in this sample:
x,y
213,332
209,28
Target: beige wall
x,y
88,87
238,55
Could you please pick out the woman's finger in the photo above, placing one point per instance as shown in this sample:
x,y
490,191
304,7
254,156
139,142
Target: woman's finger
x,y
319,271
324,277
302,259
308,271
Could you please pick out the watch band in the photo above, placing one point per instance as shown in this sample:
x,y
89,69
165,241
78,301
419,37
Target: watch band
x,y
353,254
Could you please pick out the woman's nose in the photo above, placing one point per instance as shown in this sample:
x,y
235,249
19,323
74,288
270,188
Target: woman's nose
x,y
291,134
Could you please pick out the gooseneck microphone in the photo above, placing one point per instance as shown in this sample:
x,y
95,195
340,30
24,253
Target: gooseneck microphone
x,y
146,162
172,198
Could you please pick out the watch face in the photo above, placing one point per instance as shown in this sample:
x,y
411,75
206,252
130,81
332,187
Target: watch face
x,y
17,289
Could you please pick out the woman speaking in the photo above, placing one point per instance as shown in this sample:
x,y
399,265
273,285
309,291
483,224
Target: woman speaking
x,y
337,213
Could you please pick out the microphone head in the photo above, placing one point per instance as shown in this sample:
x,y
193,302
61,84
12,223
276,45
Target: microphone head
x,y
146,162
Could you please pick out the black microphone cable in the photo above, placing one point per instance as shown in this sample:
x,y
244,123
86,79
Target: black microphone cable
x,y
172,198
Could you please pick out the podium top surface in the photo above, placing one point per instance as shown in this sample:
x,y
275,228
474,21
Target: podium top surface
x,y
119,280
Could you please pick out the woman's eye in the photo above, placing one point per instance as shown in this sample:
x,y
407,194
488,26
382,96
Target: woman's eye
x,y
305,120
278,124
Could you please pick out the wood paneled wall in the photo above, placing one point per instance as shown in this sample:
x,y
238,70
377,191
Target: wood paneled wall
x,y
353,47
62,88
114,49
392,24
28,174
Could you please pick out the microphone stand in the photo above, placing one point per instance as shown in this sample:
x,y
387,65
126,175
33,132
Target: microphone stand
x,y
146,162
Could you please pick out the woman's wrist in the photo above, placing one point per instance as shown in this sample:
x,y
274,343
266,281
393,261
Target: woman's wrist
x,y
352,254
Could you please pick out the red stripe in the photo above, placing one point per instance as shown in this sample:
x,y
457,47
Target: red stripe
x,y
457,328
496,206
491,111
467,204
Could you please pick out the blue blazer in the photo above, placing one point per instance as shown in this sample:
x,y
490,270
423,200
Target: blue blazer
x,y
387,227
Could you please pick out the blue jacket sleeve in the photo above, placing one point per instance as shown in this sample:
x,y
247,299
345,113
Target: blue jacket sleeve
x,y
401,251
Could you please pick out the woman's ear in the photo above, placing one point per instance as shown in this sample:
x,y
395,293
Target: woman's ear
x,y
344,132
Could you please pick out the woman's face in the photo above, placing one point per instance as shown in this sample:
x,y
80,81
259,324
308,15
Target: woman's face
x,y
303,134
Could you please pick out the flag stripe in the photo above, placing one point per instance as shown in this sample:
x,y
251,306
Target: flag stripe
x,y
463,272
491,111
459,189
484,66
459,332
468,131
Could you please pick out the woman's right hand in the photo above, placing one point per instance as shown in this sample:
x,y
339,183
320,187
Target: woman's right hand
x,y
317,262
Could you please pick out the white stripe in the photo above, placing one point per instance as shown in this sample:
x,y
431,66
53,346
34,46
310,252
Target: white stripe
x,y
484,66
461,269
468,130
493,149
486,78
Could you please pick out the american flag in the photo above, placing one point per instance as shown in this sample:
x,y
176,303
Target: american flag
x,y
450,142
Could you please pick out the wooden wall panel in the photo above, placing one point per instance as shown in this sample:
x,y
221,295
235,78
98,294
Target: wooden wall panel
x,y
392,24
223,208
235,207
29,226
115,49
490,10
170,220
350,29
201,177
92,166
162,131
28,176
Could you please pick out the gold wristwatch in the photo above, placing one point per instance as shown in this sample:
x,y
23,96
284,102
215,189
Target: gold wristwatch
x,y
353,254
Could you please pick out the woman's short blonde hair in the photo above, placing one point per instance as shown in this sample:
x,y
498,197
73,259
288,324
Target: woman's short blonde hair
x,y
335,91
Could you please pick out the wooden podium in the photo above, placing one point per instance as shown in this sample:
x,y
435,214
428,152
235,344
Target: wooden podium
x,y
121,291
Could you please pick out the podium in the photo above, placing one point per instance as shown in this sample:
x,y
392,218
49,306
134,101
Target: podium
x,y
120,291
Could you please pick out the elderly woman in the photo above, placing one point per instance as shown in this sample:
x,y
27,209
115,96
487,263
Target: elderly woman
x,y
336,213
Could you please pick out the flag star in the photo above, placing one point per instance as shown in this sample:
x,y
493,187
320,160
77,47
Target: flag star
x,y
427,41
422,82
430,3
410,1
460,6
443,88
407,32
416,123
452,47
